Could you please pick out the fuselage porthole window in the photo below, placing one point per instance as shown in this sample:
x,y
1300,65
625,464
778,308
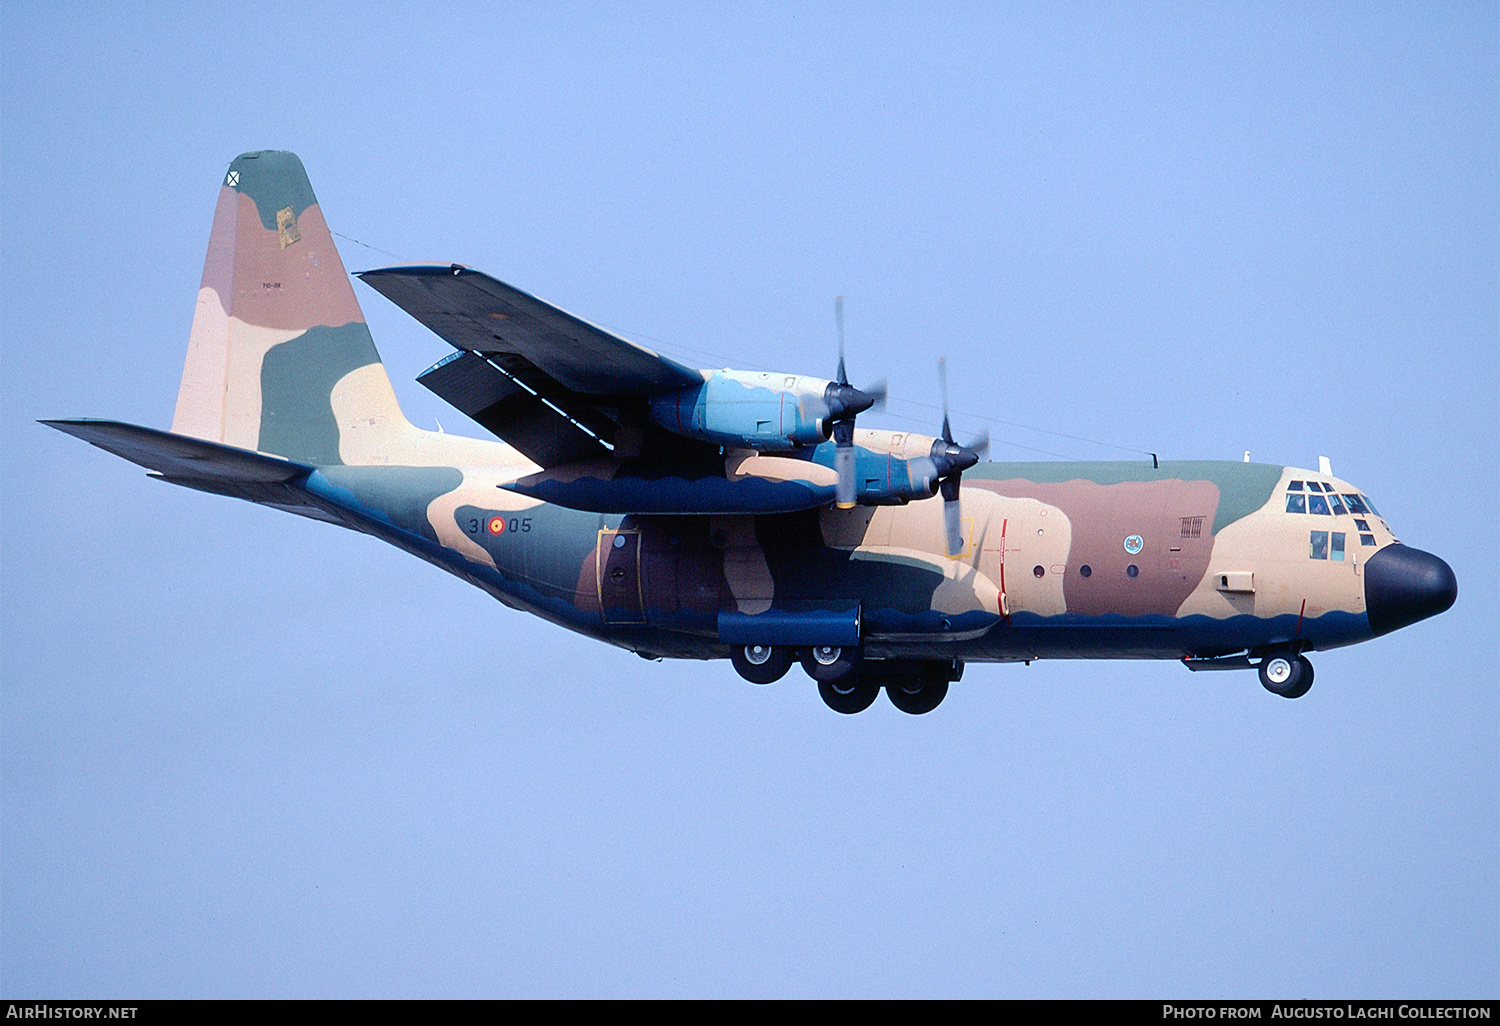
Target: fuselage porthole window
x,y
1296,503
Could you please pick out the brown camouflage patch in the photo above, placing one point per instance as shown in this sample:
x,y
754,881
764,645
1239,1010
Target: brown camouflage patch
x,y
1173,556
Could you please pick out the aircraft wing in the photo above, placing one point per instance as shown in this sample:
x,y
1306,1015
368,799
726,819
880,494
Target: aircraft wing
x,y
553,385
478,314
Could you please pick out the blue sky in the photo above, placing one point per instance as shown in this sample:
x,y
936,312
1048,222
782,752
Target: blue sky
x,y
245,754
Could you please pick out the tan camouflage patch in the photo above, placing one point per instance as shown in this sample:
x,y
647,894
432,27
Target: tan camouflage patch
x,y
480,488
745,569
1273,545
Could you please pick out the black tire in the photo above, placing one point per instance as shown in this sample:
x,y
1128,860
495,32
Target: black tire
x,y
849,695
1286,675
1305,683
761,664
829,663
917,693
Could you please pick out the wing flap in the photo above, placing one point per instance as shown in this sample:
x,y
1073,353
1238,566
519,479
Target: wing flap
x,y
545,430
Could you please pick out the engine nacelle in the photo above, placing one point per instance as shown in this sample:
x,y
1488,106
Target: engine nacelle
x,y
749,410
894,468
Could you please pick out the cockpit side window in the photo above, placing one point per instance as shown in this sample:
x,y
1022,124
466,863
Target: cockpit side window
x,y
1296,503
1336,503
1317,504
1356,504
1318,545
1370,505
1294,486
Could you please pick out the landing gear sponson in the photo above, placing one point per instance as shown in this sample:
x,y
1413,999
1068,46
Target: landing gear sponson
x,y
1286,674
847,682
1283,672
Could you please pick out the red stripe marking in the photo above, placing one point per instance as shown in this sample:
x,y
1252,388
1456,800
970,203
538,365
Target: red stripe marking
x,y
1003,525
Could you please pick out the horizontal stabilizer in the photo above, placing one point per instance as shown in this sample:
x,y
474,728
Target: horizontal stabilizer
x,y
178,456
205,466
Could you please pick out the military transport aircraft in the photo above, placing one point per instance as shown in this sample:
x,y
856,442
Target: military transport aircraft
x,y
699,514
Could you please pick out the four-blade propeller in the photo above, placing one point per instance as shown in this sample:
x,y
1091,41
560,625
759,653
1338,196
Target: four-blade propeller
x,y
949,459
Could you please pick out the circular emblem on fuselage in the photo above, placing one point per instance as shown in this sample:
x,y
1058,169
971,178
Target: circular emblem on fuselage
x,y
1134,544
497,525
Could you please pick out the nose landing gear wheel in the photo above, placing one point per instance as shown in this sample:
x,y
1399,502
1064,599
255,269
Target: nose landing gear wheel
x,y
1286,675
761,664
848,695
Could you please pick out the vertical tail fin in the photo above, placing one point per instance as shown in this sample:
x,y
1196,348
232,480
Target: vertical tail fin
x,y
280,359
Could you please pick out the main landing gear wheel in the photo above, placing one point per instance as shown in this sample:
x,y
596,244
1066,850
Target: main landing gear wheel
x,y
1286,675
761,664
829,663
848,695
917,693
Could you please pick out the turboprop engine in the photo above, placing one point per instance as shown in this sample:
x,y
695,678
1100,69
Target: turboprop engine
x,y
759,409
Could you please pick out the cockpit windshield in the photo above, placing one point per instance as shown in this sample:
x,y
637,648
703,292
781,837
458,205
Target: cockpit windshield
x,y
1361,504
1318,497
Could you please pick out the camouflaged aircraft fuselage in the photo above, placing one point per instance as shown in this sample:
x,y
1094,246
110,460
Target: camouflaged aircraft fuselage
x,y
689,514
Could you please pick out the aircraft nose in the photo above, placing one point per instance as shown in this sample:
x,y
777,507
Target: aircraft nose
x,y
1404,585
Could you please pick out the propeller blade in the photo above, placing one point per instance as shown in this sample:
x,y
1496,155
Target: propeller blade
x,y
943,384
838,316
877,393
843,463
980,446
953,524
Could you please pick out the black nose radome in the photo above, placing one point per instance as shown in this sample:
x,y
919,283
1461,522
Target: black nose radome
x,y
1404,585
